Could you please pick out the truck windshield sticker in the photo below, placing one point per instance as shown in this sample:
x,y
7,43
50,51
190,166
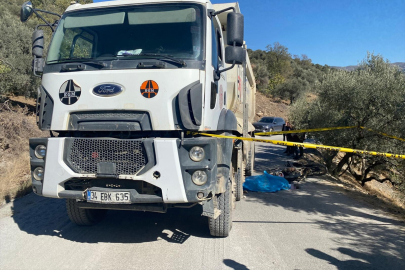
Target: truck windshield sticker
x,y
149,89
69,92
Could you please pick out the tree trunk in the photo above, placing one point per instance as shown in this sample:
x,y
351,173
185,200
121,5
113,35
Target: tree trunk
x,y
363,169
341,163
328,158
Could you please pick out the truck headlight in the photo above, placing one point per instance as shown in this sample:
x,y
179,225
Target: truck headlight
x,y
197,153
38,173
199,178
40,151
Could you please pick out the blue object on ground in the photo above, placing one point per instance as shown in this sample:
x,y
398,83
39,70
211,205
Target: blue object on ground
x,y
265,183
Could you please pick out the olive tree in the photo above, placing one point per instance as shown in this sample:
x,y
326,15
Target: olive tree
x,y
15,56
16,76
372,96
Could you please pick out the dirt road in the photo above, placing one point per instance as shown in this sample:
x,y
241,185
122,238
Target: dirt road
x,y
315,227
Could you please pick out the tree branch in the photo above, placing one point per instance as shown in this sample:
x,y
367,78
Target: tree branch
x,y
7,63
375,177
342,162
355,175
347,168
375,164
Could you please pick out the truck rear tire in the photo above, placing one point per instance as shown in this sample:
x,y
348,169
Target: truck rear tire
x,y
222,225
83,217
250,164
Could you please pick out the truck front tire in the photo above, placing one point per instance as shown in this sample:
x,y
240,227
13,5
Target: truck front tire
x,y
240,178
83,217
222,225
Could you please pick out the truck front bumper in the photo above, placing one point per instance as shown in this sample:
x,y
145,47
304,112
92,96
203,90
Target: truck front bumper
x,y
160,162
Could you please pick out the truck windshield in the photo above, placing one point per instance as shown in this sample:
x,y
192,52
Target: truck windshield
x,y
166,29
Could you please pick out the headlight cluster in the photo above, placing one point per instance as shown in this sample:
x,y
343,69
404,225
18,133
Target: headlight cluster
x,y
197,153
38,173
199,178
40,151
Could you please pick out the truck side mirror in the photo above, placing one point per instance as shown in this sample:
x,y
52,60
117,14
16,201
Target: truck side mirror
x,y
38,66
26,11
38,52
235,29
234,55
38,43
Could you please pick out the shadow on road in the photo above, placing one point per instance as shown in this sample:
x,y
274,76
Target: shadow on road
x,y
377,240
340,264
44,216
374,240
235,265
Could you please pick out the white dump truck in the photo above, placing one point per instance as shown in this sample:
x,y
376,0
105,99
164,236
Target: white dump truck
x,y
127,89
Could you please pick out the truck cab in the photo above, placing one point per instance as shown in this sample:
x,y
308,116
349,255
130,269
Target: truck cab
x,y
127,89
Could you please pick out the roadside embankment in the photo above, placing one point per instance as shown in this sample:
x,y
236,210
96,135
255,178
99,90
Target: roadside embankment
x,y
266,106
17,125
382,195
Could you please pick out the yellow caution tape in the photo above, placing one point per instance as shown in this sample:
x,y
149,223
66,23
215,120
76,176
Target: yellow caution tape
x,y
302,131
384,134
306,145
325,129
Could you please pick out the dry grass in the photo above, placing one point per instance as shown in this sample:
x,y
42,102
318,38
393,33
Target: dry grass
x,y
17,125
15,180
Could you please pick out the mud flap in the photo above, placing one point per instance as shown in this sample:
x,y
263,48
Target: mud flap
x,y
224,159
210,208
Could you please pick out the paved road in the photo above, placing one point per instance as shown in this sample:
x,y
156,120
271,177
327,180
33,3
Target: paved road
x,y
315,227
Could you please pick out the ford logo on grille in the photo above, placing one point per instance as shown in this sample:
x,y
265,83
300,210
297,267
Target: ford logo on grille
x,y
107,90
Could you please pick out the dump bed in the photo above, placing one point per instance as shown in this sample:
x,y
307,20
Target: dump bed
x,y
235,77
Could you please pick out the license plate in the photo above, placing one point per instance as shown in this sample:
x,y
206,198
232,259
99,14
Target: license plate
x,y
108,197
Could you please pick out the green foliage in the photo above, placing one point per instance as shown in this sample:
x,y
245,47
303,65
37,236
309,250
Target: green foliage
x,y
15,64
372,96
276,80
16,76
280,75
4,67
278,60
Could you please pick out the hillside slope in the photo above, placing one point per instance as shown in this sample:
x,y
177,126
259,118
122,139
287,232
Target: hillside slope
x,y
401,65
266,106
17,125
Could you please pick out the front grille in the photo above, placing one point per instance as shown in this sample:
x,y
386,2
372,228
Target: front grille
x,y
106,115
128,155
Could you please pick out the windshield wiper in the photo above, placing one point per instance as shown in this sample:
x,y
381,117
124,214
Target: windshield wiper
x,y
147,65
159,57
82,65
95,63
82,60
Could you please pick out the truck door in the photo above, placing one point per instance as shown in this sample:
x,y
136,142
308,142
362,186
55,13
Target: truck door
x,y
216,90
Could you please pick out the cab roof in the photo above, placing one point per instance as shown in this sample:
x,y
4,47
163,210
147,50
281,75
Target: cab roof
x,y
119,3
